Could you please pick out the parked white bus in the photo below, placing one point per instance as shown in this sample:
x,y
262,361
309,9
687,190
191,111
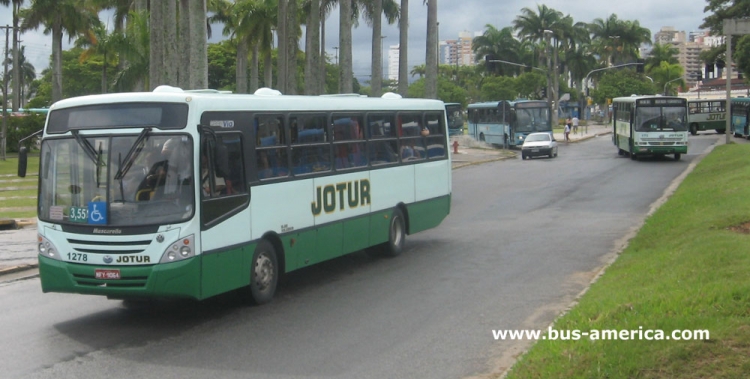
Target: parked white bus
x,y
189,194
650,125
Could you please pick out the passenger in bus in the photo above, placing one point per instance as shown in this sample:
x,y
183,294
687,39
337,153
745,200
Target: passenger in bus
x,y
219,182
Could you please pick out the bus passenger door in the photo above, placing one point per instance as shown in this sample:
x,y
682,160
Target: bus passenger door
x,y
224,214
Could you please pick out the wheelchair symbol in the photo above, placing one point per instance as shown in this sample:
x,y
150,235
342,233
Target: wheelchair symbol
x,y
97,212
96,216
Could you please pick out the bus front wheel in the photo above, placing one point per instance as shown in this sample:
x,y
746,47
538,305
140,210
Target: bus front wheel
x,y
264,273
693,129
481,137
677,156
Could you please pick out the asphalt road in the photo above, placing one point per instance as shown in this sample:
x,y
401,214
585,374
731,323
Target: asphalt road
x,y
524,238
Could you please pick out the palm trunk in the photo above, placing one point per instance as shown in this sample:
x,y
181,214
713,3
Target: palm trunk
x,y
312,64
323,71
281,60
183,76
403,39
198,68
431,69
292,41
254,68
156,52
376,78
171,56
57,35
268,70
16,59
241,69
345,47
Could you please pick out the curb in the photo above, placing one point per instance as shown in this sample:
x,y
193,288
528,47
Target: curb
x,y
14,269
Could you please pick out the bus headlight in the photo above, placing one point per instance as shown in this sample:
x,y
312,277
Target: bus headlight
x,y
46,248
177,251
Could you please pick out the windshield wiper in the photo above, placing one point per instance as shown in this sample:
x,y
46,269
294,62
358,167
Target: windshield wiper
x,y
87,148
132,154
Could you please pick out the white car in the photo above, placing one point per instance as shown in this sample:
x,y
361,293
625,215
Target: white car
x,y
537,144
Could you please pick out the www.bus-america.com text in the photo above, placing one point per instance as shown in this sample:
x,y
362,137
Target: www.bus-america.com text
x,y
606,334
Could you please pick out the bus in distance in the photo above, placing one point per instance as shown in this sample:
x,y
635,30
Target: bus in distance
x,y
508,122
740,108
707,115
190,194
454,111
650,125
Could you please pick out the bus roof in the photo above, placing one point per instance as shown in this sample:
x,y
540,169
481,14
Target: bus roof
x,y
495,104
262,101
634,98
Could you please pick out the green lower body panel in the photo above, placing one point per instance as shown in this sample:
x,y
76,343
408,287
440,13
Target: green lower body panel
x,y
428,214
168,280
225,271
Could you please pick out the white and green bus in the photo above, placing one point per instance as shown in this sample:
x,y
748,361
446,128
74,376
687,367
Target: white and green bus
x,y
650,125
706,114
189,194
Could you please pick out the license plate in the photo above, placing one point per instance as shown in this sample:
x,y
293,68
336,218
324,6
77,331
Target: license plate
x,y
107,274
534,150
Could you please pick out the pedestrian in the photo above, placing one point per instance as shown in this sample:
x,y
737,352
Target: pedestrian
x,y
575,124
567,132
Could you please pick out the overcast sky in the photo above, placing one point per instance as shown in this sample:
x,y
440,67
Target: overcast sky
x,y
454,16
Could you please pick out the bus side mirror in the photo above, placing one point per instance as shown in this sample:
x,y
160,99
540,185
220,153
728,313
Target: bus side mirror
x,y
22,161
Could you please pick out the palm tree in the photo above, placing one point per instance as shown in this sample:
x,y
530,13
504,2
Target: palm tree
x,y
661,53
73,17
99,41
251,24
617,41
498,44
27,73
373,11
134,46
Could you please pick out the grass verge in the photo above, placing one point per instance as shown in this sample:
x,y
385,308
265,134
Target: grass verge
x,y
19,194
687,269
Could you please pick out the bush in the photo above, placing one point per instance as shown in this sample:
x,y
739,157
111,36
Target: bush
x,y
20,127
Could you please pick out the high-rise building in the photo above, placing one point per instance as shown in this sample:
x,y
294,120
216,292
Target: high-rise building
x,y
458,51
689,51
393,55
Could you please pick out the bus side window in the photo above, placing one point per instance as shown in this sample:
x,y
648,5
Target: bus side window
x,y
311,151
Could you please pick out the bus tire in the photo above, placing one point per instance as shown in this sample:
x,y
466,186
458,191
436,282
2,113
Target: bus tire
x,y
264,273
720,131
396,234
694,129
677,156
481,137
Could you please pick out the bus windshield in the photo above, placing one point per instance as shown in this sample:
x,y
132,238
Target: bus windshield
x,y
652,119
532,120
80,187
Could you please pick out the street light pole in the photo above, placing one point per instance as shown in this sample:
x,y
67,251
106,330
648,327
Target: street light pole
x,y
547,37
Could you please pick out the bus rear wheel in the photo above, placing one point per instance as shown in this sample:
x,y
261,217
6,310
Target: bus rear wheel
x,y
264,273
693,129
396,234
677,156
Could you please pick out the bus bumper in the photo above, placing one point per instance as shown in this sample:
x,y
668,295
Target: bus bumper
x,y
662,150
168,280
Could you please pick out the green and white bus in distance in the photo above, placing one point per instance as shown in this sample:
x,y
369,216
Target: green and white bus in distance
x,y
650,125
189,194
707,115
